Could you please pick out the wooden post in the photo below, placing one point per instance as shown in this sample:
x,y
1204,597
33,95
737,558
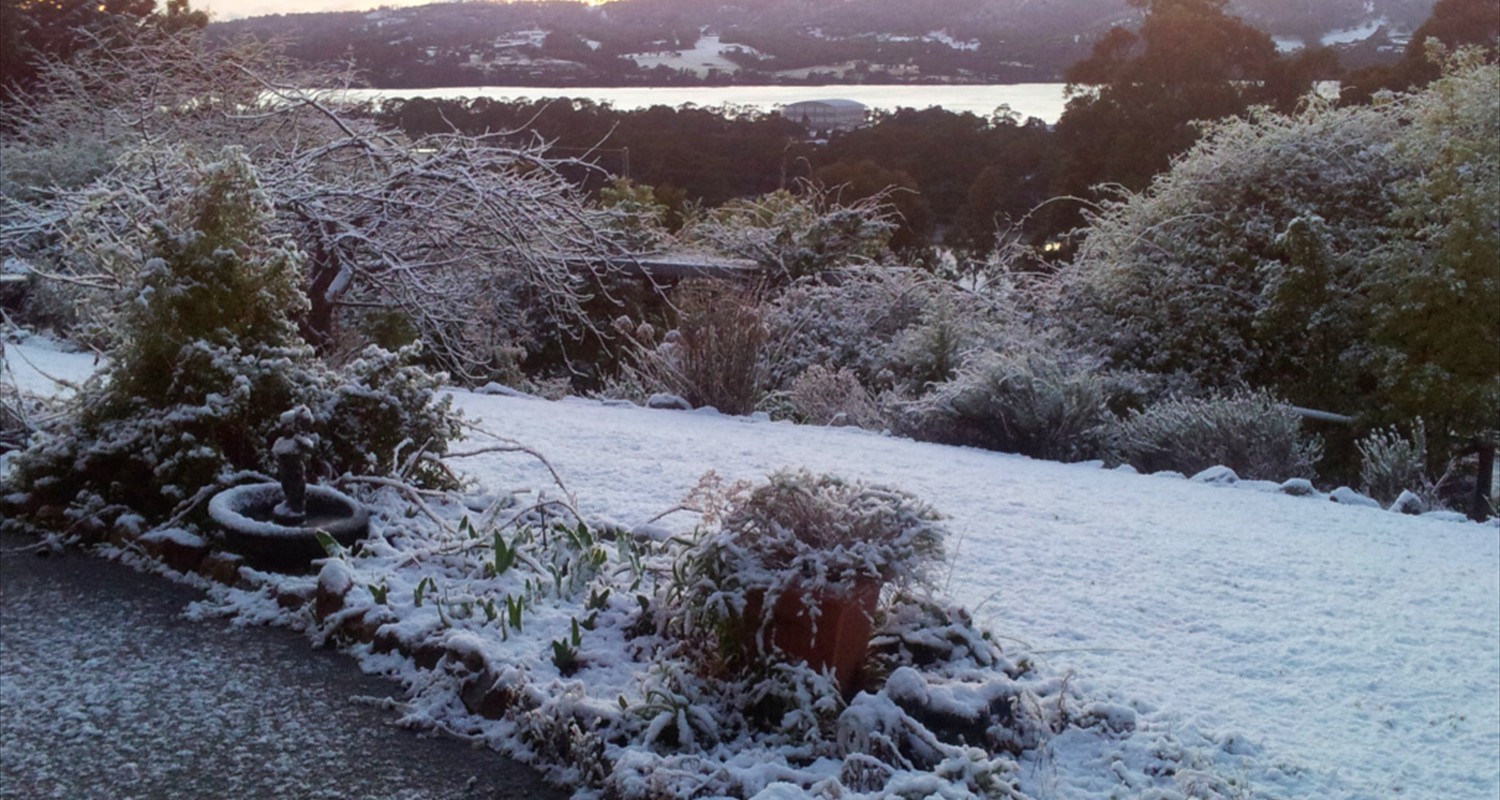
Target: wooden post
x,y
1480,510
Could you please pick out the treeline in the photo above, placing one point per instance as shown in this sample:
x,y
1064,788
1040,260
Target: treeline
x,y
957,175
1142,98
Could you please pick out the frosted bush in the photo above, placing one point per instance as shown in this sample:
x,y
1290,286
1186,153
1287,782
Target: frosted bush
x,y
1346,258
798,235
1249,432
208,361
1044,404
822,396
1391,463
713,357
894,328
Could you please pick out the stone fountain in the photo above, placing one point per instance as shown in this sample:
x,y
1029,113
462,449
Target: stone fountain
x,y
276,525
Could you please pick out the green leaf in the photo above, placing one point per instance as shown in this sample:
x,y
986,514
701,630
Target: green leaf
x,y
329,544
505,555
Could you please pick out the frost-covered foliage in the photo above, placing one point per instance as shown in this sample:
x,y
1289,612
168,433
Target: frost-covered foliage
x,y
821,396
713,357
1250,432
1238,265
575,649
894,328
797,235
1435,288
1039,402
208,361
1391,462
383,414
823,528
480,242
635,214
1345,258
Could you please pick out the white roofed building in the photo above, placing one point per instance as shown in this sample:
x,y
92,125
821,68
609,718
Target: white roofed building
x,y
826,115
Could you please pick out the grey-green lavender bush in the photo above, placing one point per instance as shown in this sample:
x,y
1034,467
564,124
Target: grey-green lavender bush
x,y
1248,431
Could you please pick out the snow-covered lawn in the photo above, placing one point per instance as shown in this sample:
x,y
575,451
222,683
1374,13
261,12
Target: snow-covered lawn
x,y
1303,648
1345,652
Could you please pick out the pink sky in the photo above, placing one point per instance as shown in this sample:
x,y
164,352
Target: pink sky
x,y
234,9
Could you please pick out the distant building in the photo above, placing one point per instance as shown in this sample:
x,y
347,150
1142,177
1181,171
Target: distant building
x,y
826,115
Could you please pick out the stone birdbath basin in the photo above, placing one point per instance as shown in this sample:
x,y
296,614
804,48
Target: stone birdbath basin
x,y
276,525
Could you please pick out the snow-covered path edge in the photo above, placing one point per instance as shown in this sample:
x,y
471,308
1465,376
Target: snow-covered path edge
x,y
1344,652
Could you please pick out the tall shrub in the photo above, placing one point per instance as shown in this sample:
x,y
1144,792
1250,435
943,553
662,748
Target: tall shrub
x,y
1347,259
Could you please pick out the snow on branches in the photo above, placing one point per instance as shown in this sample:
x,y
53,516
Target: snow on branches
x,y
465,235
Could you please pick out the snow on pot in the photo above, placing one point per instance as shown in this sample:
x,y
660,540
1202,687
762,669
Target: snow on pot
x,y
797,569
828,627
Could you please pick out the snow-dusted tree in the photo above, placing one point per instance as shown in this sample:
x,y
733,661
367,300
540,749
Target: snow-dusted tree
x,y
1343,258
1434,290
796,235
208,360
479,240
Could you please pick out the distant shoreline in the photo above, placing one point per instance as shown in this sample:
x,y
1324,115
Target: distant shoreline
x,y
1044,101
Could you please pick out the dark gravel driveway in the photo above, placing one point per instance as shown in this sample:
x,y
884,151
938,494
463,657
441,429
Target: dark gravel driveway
x,y
106,691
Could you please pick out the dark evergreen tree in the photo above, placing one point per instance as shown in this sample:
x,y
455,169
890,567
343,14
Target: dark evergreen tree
x,y
1138,96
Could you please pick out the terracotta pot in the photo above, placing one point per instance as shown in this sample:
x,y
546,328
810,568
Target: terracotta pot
x,y
836,640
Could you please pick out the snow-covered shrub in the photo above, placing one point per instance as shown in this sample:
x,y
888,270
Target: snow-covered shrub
x,y
845,324
1434,288
1040,403
894,328
822,396
208,361
384,414
635,216
1250,432
1347,259
797,235
714,357
1236,266
812,530
1391,463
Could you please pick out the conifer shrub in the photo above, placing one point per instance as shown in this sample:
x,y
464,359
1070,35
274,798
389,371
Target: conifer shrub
x,y
1250,432
209,358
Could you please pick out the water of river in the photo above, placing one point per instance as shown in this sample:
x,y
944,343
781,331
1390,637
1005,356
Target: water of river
x,y
1041,100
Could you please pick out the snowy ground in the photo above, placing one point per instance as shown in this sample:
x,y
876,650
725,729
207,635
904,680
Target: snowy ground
x,y
1313,649
706,55
1347,652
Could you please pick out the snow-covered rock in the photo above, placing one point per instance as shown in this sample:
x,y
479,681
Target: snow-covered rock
x,y
1298,487
1347,496
662,400
1217,476
1409,503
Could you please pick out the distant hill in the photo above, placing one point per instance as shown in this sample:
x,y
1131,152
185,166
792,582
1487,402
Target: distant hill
x,y
672,42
